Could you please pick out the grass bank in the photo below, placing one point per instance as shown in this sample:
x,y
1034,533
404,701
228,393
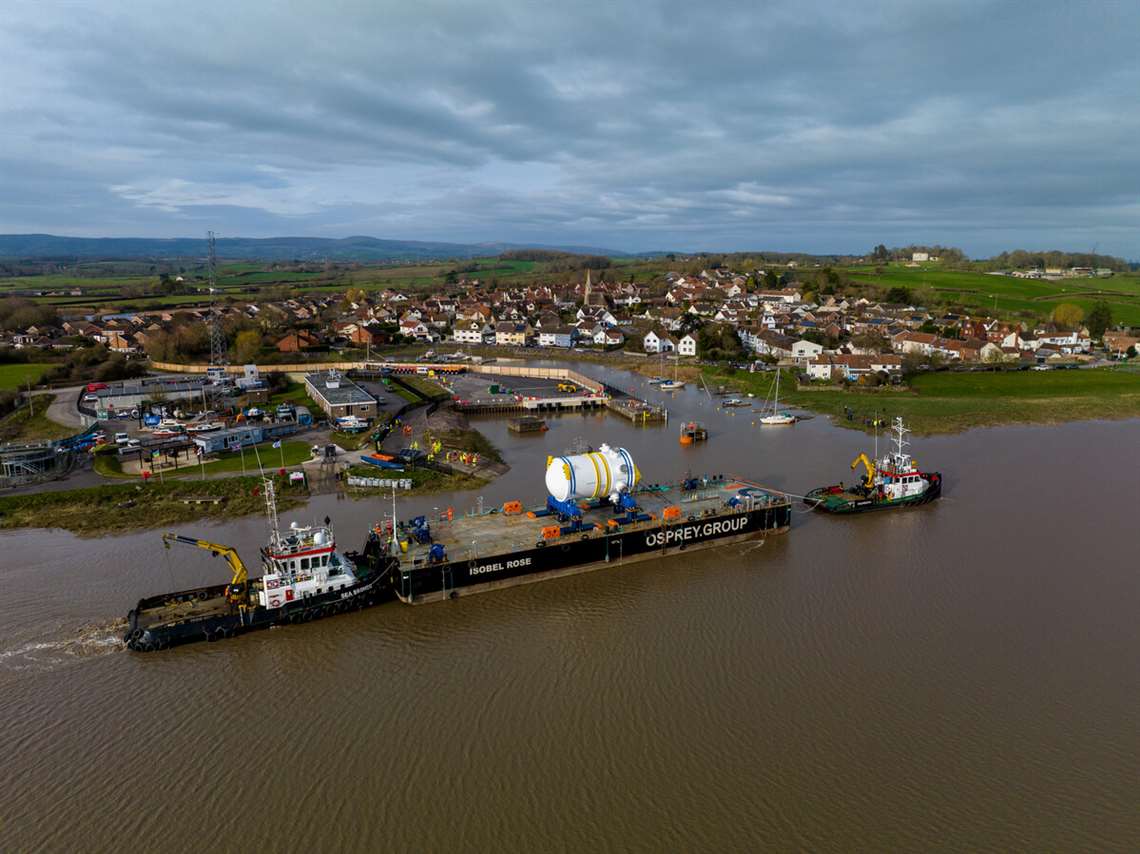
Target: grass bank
x,y
24,426
296,394
949,402
465,440
115,508
353,441
424,387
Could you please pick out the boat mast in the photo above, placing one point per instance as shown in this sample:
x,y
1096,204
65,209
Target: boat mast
x,y
271,513
394,542
900,441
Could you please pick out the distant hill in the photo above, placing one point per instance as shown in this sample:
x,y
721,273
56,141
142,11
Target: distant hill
x,y
30,246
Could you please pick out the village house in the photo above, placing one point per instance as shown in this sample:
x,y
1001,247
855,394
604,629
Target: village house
x,y
687,346
596,314
297,342
658,342
970,350
765,342
118,342
851,367
609,337
417,329
803,350
472,332
511,334
364,336
1118,343
1067,342
556,336
784,295
914,343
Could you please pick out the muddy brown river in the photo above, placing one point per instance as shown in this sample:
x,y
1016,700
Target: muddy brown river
x,y
961,676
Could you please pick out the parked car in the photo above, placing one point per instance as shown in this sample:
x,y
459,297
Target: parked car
x,y
90,398
121,438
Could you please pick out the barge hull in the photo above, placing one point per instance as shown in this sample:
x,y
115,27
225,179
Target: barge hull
x,y
571,556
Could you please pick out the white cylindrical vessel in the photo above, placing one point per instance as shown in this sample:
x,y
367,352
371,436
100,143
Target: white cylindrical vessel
x,y
604,472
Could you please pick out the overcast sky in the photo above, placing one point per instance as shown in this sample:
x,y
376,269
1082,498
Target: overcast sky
x,y
800,125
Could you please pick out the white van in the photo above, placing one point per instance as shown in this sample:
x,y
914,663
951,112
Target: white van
x,y
121,438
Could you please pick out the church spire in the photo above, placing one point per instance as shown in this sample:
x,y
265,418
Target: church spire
x,y
586,290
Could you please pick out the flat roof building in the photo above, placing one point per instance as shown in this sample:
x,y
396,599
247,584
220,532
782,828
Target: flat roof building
x,y
338,396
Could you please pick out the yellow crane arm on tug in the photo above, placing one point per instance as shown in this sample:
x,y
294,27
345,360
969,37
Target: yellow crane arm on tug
x,y
236,589
869,480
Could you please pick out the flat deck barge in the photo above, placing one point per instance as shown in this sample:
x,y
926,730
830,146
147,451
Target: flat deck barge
x,y
510,546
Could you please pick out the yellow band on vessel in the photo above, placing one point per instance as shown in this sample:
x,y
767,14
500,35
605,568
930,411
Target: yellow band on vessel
x,y
597,475
609,476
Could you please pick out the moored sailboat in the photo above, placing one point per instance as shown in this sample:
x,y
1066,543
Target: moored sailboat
x,y
775,416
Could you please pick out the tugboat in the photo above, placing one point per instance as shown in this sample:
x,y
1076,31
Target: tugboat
x,y
893,481
305,578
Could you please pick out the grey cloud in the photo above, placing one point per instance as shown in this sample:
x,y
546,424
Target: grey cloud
x,y
800,124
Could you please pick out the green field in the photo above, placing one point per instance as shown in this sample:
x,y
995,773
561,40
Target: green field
x,y
949,402
1006,295
59,282
264,276
19,375
244,280
295,453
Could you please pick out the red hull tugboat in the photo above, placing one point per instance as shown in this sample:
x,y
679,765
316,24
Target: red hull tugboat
x,y
891,482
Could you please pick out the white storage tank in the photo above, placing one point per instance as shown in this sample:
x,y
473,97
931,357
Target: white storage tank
x,y
604,472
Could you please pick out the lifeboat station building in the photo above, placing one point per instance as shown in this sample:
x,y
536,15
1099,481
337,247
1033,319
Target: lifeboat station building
x,y
340,397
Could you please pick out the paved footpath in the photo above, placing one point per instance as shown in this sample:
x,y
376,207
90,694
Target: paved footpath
x,y
65,409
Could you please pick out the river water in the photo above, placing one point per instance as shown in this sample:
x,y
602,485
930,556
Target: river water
x,y
959,676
